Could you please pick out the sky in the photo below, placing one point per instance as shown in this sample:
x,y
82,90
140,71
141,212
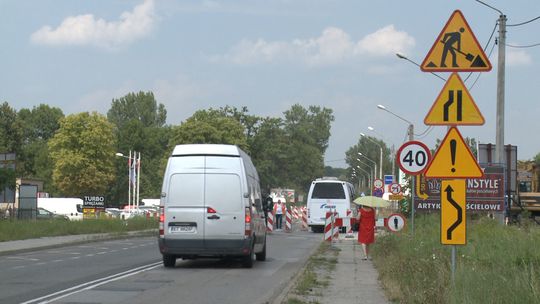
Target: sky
x,y
269,55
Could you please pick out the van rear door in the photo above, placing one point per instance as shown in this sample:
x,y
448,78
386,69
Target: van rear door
x,y
223,193
185,208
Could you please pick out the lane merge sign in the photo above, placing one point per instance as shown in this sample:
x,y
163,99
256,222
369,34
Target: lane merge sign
x,y
456,49
413,157
454,106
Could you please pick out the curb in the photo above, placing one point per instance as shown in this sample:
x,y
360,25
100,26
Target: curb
x,y
80,239
284,289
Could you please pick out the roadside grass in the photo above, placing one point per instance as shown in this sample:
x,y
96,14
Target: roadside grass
x,y
499,264
28,229
315,277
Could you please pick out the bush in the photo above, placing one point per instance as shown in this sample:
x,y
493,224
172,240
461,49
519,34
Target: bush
x,y
499,264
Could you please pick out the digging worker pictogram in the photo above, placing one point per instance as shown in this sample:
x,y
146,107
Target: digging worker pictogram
x,y
449,40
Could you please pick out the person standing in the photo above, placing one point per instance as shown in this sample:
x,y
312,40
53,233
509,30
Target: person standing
x,y
279,209
366,229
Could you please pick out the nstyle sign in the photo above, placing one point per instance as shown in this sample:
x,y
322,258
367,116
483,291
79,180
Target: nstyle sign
x,y
413,157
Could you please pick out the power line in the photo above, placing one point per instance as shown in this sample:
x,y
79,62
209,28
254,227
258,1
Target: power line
x,y
485,47
523,23
480,74
522,46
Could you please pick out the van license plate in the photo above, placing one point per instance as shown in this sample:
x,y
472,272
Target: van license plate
x,y
182,229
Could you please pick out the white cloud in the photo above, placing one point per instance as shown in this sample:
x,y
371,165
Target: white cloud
x,y
89,30
333,46
385,41
517,58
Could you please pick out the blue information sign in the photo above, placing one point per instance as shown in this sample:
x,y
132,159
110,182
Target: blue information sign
x,y
388,179
378,192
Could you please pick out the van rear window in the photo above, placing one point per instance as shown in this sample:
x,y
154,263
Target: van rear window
x,y
328,191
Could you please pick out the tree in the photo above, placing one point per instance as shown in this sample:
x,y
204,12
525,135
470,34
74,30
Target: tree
x,y
10,130
209,127
38,125
139,123
309,127
269,148
82,152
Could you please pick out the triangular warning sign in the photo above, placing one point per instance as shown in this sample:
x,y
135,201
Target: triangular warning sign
x,y
454,106
453,159
456,49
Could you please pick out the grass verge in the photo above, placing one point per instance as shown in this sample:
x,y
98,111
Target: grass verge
x,y
499,264
23,229
315,277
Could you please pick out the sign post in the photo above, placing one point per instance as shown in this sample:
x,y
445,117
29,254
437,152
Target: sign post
x,y
456,49
413,158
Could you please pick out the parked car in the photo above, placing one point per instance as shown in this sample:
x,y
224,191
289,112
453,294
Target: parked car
x,y
44,214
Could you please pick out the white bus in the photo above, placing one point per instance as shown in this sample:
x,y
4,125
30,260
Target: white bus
x,y
326,194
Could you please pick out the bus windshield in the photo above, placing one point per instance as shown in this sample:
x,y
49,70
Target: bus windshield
x,y
328,191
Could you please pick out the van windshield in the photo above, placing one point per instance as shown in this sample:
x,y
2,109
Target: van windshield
x,y
328,191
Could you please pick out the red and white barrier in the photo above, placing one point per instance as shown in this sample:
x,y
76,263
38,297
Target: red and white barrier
x,y
304,220
288,221
296,214
270,222
328,223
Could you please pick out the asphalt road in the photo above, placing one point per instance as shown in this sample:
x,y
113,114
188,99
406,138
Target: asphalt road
x,y
130,271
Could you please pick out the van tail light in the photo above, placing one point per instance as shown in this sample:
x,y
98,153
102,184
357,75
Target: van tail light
x,y
161,221
210,210
248,222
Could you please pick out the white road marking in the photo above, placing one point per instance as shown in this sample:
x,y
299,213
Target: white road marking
x,y
92,284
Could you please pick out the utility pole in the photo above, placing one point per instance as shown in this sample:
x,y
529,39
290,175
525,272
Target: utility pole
x,y
411,137
499,152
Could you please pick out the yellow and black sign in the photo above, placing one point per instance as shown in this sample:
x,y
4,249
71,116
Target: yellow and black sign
x,y
453,159
454,106
421,185
456,49
453,220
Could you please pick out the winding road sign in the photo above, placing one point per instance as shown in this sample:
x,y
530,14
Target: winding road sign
x,y
453,220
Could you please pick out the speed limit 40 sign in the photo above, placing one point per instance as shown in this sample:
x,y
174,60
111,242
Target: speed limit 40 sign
x,y
413,157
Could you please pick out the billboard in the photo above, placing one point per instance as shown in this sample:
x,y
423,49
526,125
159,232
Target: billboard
x,y
484,194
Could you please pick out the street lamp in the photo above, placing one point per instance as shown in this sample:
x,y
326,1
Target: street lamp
x,y
134,174
369,178
401,56
374,163
380,148
411,137
392,152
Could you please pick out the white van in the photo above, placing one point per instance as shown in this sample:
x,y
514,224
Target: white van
x,y
70,207
211,205
325,194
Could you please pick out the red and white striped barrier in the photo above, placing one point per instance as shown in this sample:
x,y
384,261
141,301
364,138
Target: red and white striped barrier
x,y
328,223
296,213
270,222
288,221
304,220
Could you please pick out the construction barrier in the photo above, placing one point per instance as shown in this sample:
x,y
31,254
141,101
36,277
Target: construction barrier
x,y
328,225
304,220
295,213
270,222
288,221
338,223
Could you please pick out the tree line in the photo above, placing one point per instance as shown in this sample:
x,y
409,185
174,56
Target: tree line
x,y
74,155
